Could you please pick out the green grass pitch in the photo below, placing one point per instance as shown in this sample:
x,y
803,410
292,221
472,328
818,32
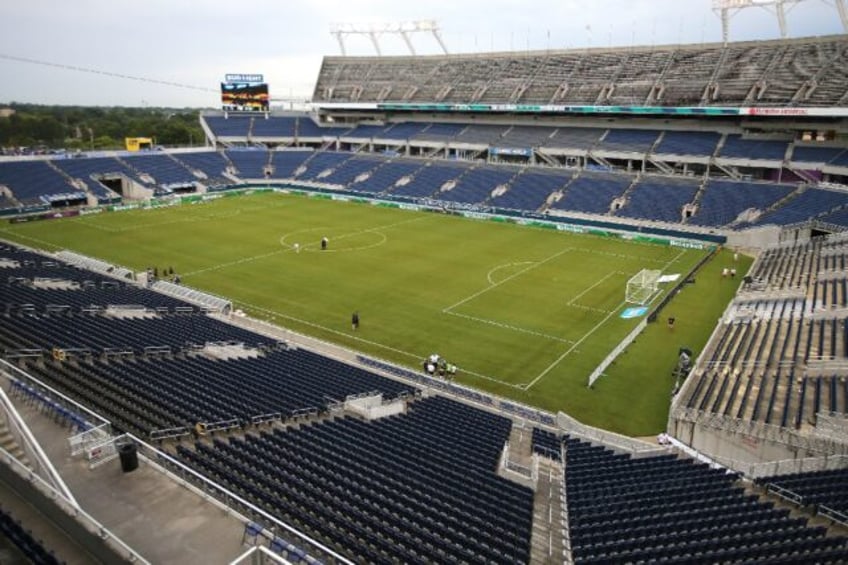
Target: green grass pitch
x,y
524,312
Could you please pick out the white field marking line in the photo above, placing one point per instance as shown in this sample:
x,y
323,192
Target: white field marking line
x,y
91,222
30,238
351,234
234,263
504,266
590,332
676,257
572,304
589,308
507,279
368,341
559,359
311,247
284,250
617,255
582,294
508,327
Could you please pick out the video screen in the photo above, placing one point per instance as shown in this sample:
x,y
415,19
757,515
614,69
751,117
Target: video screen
x,y
244,97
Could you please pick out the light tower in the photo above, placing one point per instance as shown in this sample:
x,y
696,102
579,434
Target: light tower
x,y
374,31
726,9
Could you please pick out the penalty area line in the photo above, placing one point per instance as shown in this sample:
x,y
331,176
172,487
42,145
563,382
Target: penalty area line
x,y
533,265
508,327
363,340
571,349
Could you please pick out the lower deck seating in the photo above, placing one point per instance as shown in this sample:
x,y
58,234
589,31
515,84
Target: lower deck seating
x,y
822,488
628,510
416,487
547,444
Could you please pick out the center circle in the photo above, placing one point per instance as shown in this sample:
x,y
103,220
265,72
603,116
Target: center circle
x,y
309,240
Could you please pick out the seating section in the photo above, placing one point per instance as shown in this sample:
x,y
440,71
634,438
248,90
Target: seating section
x,y
320,164
698,143
574,138
274,126
20,295
349,170
485,134
821,488
660,198
165,170
287,163
736,147
674,75
307,128
160,393
100,332
593,193
811,203
384,178
723,201
211,163
664,509
87,169
476,185
439,132
403,130
249,163
8,203
33,549
530,190
547,444
417,487
812,154
36,182
629,140
654,198
526,136
230,126
839,217
428,180
779,360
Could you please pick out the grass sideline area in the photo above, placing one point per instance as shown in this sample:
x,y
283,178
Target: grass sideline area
x,y
524,312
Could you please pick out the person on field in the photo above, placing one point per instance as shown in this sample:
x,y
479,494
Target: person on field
x,y
324,242
354,321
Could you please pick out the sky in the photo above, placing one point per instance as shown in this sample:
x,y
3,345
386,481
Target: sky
x,y
196,42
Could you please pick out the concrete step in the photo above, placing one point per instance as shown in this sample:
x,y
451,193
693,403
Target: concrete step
x,y
546,540
7,442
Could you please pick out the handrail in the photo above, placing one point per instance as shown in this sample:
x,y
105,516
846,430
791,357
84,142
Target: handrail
x,y
72,508
833,514
53,392
215,487
33,448
162,455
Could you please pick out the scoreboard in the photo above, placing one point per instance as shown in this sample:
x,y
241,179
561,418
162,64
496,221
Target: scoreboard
x,y
244,93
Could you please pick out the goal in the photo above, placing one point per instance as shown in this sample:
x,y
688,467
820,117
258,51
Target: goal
x,y
642,286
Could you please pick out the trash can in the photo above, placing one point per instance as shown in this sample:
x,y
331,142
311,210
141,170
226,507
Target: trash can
x,y
128,452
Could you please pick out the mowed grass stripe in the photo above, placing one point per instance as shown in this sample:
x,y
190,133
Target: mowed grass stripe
x,y
424,262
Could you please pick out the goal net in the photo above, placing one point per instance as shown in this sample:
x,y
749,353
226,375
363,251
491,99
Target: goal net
x,y
642,286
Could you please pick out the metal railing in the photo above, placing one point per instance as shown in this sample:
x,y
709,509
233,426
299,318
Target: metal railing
x,y
39,461
71,508
222,497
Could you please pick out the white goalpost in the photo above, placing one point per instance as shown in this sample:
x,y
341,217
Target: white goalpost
x,y
642,286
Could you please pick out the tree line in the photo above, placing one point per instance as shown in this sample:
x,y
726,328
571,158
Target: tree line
x,y
88,128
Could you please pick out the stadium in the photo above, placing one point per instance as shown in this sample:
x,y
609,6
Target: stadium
x,y
561,306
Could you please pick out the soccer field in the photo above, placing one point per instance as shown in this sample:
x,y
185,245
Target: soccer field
x,y
524,312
